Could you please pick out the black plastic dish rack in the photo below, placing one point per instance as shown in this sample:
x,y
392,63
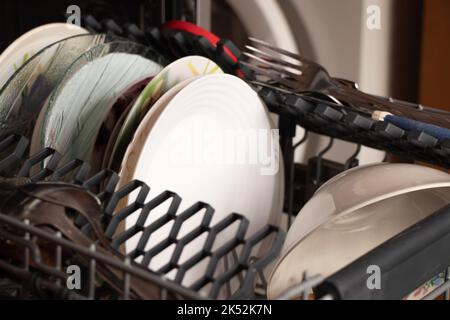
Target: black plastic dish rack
x,y
236,254
408,260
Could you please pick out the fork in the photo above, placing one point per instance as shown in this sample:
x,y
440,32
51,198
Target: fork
x,y
289,71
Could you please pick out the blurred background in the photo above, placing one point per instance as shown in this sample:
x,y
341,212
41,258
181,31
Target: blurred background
x,y
407,58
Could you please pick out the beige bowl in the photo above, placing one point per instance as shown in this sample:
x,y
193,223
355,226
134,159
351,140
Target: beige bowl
x,y
354,213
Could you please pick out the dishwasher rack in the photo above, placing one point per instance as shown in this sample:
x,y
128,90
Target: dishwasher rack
x,y
410,259
236,254
324,117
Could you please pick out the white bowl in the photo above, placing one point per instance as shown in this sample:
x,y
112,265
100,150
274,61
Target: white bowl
x,y
352,214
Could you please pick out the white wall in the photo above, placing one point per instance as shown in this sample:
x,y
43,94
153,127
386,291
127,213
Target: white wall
x,y
335,35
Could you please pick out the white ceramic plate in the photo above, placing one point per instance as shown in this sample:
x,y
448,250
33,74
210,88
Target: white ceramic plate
x,y
176,72
353,198
114,121
180,154
26,91
31,43
79,106
134,150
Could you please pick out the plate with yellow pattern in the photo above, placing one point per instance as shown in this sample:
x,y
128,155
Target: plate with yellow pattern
x,y
175,73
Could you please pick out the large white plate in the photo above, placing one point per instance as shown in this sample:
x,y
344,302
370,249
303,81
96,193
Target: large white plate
x,y
134,150
203,120
32,42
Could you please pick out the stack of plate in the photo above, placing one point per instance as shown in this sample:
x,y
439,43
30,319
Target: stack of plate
x,y
184,127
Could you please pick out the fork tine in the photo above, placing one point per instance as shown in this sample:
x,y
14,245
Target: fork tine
x,y
260,70
273,66
281,51
271,58
269,73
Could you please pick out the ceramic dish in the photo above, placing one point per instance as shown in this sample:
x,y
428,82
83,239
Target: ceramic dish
x,y
172,148
24,94
173,74
31,43
108,132
359,187
134,150
352,214
78,107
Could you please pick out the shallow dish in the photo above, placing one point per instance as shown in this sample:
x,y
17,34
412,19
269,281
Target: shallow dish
x,y
78,107
167,153
109,130
31,43
352,214
26,91
176,72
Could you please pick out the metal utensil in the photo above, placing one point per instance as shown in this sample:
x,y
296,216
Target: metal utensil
x,y
299,75
45,204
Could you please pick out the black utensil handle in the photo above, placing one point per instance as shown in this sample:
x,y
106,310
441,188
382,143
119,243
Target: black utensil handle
x,y
406,262
414,105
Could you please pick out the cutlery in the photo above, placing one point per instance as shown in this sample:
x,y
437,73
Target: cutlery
x,y
296,74
408,124
46,204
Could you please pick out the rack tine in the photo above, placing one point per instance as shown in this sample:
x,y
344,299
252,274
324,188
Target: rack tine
x,y
447,279
301,288
236,261
352,158
92,272
290,192
58,264
27,237
164,294
273,59
319,162
226,268
303,140
126,281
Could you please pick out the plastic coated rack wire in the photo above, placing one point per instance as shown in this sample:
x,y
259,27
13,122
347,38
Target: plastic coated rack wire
x,y
242,271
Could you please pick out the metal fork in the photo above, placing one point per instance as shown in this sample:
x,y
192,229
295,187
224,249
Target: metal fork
x,y
289,71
